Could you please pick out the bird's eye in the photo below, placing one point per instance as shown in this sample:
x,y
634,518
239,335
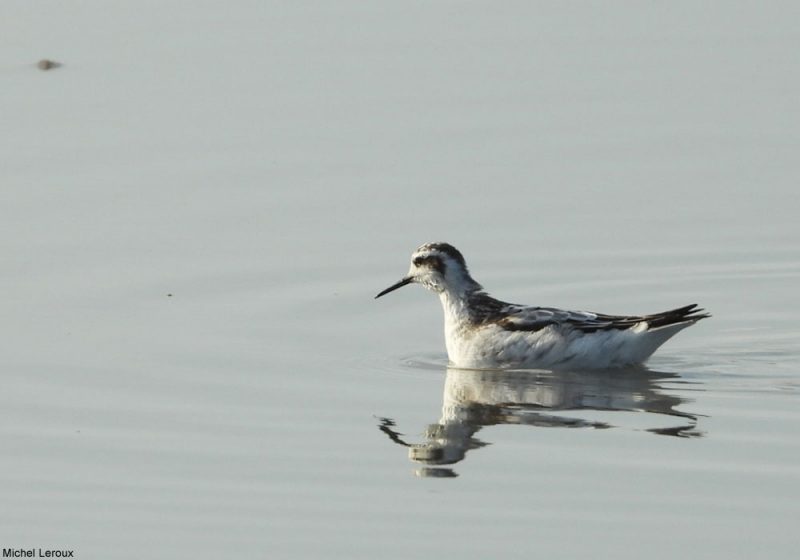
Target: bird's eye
x,y
418,261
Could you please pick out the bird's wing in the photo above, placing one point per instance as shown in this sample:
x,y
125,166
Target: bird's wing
x,y
521,318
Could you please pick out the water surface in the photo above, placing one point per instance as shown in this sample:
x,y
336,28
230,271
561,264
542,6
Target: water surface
x,y
200,204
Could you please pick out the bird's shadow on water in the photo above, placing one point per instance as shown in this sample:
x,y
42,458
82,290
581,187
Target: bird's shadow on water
x,y
477,398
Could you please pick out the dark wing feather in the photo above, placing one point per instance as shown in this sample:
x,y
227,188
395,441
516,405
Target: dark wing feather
x,y
518,318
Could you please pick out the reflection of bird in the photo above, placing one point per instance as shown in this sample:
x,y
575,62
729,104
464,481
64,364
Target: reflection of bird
x,y
473,399
482,332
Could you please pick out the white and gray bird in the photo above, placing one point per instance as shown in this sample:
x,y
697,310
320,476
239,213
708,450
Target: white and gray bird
x,y
483,332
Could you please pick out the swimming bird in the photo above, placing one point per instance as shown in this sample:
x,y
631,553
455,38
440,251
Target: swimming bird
x,y
483,332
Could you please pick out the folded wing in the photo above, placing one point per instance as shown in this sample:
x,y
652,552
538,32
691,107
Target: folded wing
x,y
519,318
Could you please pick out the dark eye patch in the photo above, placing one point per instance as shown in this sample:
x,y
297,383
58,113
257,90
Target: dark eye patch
x,y
431,260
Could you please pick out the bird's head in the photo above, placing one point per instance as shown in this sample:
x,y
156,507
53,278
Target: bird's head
x,y
438,267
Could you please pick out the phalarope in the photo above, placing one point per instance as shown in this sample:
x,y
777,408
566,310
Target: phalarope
x,y
482,332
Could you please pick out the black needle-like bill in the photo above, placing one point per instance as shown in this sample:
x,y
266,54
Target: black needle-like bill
x,y
393,287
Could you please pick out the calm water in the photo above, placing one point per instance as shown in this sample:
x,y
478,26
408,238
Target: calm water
x,y
200,205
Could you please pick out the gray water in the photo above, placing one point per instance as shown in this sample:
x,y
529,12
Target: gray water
x,y
200,204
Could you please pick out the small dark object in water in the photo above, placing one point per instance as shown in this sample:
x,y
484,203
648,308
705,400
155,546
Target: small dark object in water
x,y
46,64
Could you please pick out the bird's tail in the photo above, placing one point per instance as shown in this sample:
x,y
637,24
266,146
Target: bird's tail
x,y
689,314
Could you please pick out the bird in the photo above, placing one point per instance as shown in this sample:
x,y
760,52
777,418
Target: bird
x,y
482,332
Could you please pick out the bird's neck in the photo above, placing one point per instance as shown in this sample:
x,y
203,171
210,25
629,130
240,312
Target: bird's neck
x,y
456,301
